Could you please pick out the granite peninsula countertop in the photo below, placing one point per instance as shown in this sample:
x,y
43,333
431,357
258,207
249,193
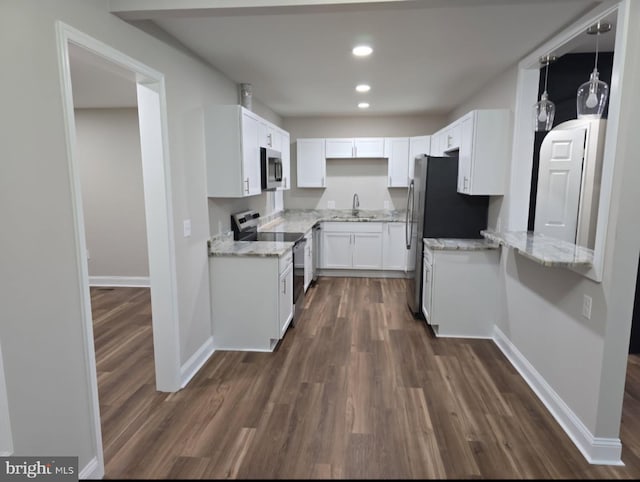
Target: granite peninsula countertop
x,y
457,244
296,221
542,249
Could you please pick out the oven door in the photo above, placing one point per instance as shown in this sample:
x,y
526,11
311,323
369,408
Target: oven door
x,y
298,277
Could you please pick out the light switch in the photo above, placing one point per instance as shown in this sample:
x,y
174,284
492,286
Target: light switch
x,y
187,228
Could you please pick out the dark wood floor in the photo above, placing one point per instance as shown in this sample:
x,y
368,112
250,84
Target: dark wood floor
x,y
357,389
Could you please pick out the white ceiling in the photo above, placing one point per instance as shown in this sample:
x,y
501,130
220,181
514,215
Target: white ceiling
x,y
429,55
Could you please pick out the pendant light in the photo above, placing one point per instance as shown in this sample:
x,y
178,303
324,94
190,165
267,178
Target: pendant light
x,y
544,110
592,95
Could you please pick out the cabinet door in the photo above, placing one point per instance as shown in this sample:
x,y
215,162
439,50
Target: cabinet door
x,y
394,249
436,143
464,155
269,136
308,261
369,147
367,250
452,137
417,146
285,299
339,148
336,250
311,162
250,155
397,150
285,149
427,283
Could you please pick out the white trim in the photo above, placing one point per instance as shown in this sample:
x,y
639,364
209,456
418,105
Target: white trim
x,y
165,276
522,154
92,470
597,450
126,281
472,337
196,361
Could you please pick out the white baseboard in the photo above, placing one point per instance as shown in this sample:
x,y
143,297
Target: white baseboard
x,y
93,470
597,450
361,273
196,361
124,281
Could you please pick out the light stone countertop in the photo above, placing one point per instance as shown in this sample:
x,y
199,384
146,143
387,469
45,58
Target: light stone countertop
x,y
542,249
295,221
457,244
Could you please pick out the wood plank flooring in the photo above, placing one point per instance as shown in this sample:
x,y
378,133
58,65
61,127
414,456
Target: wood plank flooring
x,y
358,389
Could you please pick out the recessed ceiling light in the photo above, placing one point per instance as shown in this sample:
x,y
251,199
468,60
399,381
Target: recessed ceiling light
x,y
363,88
362,50
363,105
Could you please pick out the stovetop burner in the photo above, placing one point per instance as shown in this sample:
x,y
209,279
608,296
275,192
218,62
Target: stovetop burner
x,y
245,228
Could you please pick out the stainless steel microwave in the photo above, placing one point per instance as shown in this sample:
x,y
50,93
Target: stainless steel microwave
x,y
271,169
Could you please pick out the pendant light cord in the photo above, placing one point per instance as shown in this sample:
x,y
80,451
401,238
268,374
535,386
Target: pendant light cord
x,y
595,67
546,74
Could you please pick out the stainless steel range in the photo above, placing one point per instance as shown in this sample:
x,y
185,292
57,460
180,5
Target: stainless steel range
x,y
245,228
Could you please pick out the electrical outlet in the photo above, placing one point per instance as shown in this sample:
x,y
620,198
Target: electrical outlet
x,y
586,306
331,204
386,204
187,228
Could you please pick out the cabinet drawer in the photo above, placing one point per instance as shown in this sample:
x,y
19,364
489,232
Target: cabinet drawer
x,y
285,261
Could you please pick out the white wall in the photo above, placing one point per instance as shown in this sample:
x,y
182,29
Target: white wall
x,y
367,177
583,360
108,150
48,386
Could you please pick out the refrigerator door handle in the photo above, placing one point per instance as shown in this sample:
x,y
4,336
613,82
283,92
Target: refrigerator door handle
x,y
409,218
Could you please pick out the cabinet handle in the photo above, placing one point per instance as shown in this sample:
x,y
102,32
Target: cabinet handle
x,y
353,151
322,183
285,183
284,286
247,189
448,140
390,181
465,183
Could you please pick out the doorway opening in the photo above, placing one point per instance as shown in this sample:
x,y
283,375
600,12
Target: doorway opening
x,y
149,95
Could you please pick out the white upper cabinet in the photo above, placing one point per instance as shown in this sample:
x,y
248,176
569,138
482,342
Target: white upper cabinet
x,y
311,162
417,146
339,148
363,147
484,152
436,147
368,147
232,151
397,150
451,138
285,149
270,136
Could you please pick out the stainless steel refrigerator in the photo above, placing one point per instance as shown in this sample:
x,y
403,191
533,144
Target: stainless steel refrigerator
x,y
436,210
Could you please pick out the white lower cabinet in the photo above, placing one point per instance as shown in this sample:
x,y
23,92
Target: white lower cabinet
x,y
250,313
352,245
460,292
394,254
285,299
308,260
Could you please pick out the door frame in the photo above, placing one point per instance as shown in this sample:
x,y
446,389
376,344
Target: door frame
x,y
159,220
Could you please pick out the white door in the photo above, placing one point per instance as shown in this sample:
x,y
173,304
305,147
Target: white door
x,y
394,254
336,250
427,283
311,162
464,155
368,147
250,156
417,146
367,250
308,261
397,150
339,148
559,179
285,300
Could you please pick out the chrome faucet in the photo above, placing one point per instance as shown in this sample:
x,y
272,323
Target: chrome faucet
x,y
356,203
